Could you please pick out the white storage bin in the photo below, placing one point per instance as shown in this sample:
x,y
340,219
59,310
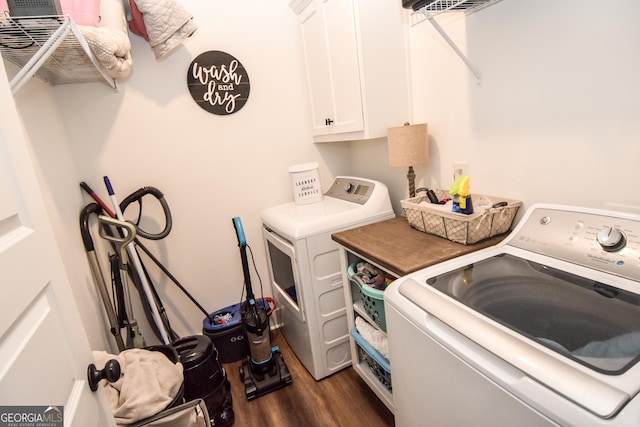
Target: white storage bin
x,y
305,181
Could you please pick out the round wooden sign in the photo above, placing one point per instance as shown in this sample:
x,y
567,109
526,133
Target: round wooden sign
x,y
218,82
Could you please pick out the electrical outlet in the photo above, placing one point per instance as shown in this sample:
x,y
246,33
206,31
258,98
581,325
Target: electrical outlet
x,y
460,167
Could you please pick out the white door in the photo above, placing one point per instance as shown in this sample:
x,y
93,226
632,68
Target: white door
x,y
44,351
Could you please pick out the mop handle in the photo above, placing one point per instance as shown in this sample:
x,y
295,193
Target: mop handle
x,y
133,256
95,197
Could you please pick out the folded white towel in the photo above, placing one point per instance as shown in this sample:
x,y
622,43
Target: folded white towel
x,y
375,337
112,49
148,383
110,42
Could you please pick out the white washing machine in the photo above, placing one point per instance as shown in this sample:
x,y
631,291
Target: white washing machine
x,y
305,272
542,329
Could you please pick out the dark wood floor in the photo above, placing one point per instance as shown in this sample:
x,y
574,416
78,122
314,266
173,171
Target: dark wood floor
x,y
341,399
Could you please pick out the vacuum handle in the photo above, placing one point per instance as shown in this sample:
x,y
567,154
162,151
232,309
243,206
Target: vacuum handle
x,y
242,241
120,242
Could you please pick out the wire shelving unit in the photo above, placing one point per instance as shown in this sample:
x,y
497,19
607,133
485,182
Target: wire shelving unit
x,y
51,48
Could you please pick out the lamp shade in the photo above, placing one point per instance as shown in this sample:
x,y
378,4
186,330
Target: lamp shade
x,y
408,145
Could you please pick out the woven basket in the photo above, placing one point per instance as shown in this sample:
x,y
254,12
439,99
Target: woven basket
x,y
466,229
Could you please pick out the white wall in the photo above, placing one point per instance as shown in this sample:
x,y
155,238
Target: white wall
x,y
555,120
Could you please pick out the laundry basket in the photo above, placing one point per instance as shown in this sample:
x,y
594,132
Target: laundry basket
x,y
492,216
372,298
378,365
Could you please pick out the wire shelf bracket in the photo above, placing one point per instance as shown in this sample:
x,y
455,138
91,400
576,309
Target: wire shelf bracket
x,y
435,8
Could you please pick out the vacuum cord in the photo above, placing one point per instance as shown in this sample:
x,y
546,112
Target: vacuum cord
x,y
255,268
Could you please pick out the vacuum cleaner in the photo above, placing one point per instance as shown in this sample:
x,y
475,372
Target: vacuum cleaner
x,y
264,370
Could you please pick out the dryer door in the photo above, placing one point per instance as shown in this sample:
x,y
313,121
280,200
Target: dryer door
x,y
284,273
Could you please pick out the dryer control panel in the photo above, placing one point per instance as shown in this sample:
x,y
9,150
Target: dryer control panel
x,y
355,190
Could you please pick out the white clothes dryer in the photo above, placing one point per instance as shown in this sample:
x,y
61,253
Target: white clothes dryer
x,y
541,329
305,272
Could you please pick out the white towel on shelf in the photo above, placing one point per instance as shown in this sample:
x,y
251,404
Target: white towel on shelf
x,y
110,42
373,336
111,48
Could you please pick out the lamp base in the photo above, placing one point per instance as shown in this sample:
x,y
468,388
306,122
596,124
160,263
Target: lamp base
x,y
411,177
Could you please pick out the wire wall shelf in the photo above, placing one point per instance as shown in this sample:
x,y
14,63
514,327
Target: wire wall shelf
x,y
437,7
50,47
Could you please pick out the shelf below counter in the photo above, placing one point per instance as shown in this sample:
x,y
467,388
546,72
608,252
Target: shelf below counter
x,y
400,249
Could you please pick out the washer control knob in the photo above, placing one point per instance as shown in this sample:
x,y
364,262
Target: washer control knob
x,y
611,239
348,188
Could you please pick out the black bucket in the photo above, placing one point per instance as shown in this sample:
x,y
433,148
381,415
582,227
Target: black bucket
x,y
205,378
227,333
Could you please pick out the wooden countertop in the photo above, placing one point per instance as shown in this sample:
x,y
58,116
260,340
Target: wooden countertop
x,y
400,249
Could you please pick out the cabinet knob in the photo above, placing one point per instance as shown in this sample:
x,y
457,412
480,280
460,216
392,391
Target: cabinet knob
x,y
328,122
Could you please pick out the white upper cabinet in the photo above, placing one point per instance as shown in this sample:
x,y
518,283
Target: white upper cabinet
x,y
355,53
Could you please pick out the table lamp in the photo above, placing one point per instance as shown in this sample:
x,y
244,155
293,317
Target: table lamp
x,y
408,147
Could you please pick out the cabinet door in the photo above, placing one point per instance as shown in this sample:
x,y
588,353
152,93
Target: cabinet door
x,y
331,51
